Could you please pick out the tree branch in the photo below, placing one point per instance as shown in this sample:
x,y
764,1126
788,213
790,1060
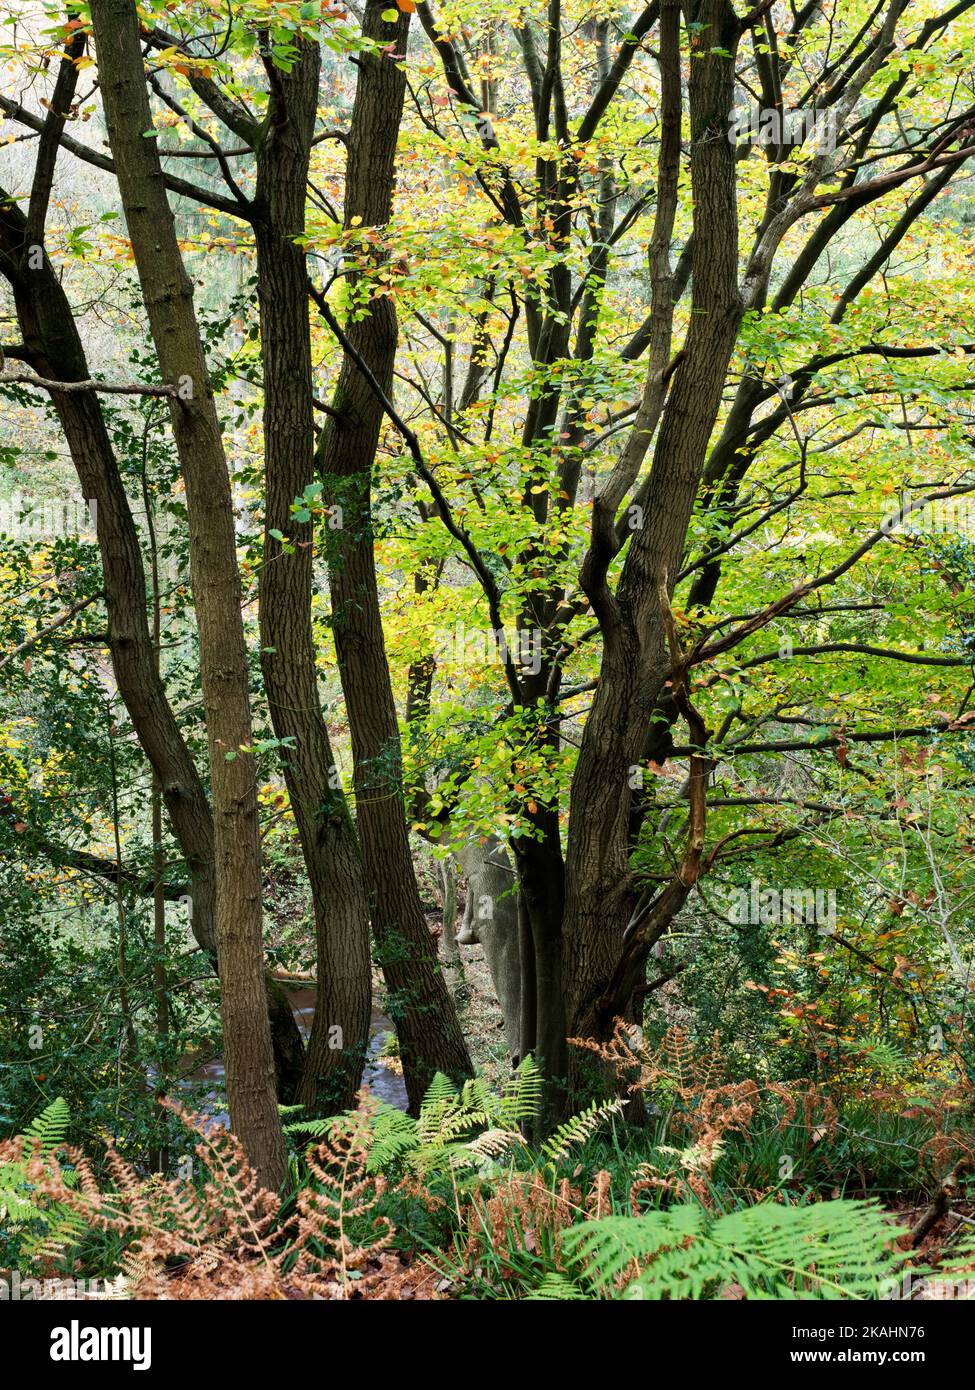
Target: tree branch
x,y
52,627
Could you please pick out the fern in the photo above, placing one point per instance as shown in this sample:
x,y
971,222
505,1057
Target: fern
x,y
521,1097
225,1236
575,1131
314,1129
290,1112
467,1128
557,1287
50,1128
15,1203
42,1229
890,1061
394,1134
476,1126
838,1249
440,1091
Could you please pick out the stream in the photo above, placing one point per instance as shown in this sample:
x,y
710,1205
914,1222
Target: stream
x,y
205,1080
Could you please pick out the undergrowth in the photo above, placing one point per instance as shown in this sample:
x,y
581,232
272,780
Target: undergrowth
x,y
723,1189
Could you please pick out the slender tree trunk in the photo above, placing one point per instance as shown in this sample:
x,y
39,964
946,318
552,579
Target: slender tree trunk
x,y
159,1154
541,892
128,1045
53,349
420,1004
168,296
529,996
635,659
450,948
340,1030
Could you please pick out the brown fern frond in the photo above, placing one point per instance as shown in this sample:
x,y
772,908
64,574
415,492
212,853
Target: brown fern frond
x,y
229,1238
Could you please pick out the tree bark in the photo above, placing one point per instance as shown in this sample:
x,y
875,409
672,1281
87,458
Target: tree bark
x,y
635,657
420,1004
340,1029
168,296
491,918
54,349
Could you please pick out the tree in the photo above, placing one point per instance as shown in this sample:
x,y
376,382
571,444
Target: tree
x,y
429,1031
168,297
637,555
583,328
344,992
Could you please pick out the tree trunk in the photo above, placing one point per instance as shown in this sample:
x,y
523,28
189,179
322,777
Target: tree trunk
x,y
635,660
340,1029
168,296
53,348
420,1004
541,897
491,917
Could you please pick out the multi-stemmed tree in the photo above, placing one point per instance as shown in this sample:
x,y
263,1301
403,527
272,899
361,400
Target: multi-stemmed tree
x,y
585,321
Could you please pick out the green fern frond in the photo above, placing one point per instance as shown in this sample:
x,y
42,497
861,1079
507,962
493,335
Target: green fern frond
x,y
15,1206
440,1090
443,1123
313,1129
838,1249
476,1094
438,1132
556,1287
50,1126
394,1134
521,1096
45,1228
889,1060
576,1130
60,1228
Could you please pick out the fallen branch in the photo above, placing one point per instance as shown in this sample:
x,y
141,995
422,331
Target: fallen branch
x,y
946,1194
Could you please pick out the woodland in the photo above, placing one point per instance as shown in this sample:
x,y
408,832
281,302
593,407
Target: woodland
x,y
487,649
